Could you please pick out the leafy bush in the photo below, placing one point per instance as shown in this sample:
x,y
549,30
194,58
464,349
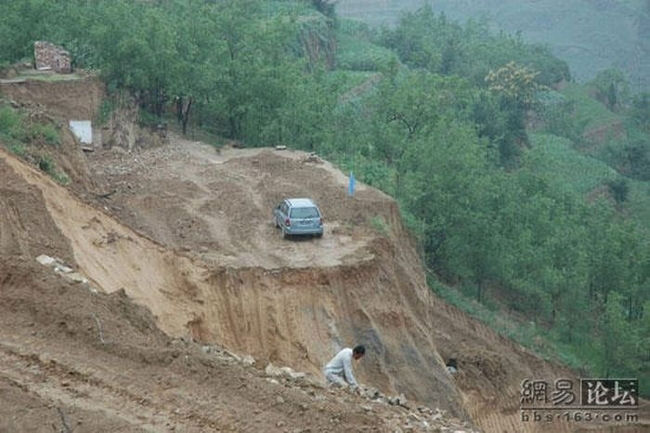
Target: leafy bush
x,y
47,165
46,132
11,124
14,127
18,149
105,111
359,55
557,113
358,48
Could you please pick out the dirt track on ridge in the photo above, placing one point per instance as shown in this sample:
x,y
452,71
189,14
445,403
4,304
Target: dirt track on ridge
x,y
190,197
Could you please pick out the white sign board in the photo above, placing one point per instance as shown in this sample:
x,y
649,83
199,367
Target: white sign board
x,y
83,130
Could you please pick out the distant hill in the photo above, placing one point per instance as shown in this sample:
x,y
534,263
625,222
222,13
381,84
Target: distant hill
x,y
591,35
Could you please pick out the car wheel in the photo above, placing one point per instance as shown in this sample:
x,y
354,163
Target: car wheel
x,y
285,235
319,235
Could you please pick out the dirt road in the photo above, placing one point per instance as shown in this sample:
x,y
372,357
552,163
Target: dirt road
x,y
218,204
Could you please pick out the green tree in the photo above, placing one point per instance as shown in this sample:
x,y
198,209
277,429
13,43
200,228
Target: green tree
x,y
640,111
617,339
611,88
516,87
21,24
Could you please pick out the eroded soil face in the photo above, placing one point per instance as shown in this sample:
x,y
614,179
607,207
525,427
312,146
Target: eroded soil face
x,y
82,360
183,254
71,360
296,316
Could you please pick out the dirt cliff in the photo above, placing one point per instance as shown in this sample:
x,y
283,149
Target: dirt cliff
x,y
182,253
74,99
297,317
75,358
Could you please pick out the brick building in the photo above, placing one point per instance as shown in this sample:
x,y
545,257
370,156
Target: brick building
x,y
50,56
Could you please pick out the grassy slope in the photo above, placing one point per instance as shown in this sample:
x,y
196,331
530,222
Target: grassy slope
x,y
356,49
556,158
580,168
589,113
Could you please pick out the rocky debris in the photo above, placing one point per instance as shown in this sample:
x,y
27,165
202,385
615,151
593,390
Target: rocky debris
x,y
228,356
452,366
77,278
48,56
400,400
312,158
287,371
222,354
410,417
284,372
374,394
398,413
272,370
46,260
248,361
67,272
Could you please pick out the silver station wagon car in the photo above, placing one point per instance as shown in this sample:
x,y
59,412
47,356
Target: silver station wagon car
x,y
298,216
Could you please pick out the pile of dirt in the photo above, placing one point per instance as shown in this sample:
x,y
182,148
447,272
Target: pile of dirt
x,y
52,357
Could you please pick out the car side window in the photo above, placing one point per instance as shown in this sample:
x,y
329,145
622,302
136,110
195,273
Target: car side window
x,y
285,209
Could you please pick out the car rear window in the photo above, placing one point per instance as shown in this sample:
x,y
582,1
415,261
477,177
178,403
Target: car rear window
x,y
304,212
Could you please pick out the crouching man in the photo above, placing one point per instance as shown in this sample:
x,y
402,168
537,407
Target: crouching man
x,y
339,370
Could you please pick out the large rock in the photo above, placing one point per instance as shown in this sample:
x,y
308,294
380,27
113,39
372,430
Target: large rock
x,y
272,370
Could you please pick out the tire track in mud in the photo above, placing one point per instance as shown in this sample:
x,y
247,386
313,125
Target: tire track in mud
x,y
58,384
63,385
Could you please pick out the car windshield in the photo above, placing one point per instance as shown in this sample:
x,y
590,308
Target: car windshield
x,y
304,212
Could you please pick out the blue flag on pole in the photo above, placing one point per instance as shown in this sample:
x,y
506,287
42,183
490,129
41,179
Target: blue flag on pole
x,y
351,185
